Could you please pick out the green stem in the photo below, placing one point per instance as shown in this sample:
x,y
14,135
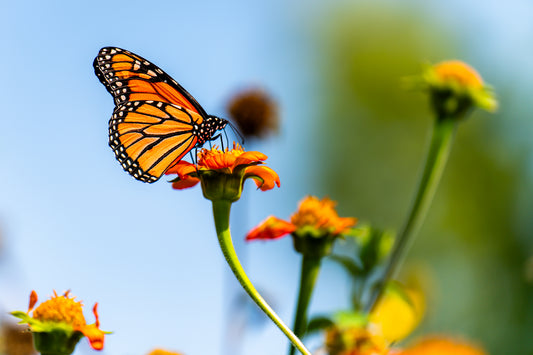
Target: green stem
x,y
439,149
221,212
309,274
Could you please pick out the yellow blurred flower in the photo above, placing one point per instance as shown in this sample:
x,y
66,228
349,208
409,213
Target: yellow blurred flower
x,y
398,312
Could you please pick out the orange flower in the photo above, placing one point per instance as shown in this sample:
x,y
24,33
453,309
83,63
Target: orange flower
x,y
321,215
455,87
442,346
63,314
314,216
227,169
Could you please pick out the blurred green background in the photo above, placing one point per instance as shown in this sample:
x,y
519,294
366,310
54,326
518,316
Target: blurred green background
x,y
473,248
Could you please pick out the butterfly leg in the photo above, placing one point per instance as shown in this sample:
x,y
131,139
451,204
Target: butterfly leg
x,y
227,139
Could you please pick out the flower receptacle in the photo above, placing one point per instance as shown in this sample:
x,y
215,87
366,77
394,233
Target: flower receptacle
x,y
217,185
56,342
312,243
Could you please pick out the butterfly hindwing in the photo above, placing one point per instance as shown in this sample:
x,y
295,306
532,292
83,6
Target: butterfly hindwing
x,y
129,77
150,136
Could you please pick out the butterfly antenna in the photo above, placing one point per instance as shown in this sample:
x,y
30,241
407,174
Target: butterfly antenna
x,y
237,133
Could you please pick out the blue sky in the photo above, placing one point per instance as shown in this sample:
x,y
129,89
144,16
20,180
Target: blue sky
x,y
72,219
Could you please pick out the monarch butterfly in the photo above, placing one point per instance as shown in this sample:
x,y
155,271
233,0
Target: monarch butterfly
x,y
156,122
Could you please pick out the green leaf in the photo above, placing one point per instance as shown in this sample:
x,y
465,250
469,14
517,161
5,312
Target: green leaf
x,y
352,266
317,324
351,319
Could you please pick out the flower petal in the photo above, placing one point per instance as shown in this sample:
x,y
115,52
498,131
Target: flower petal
x,y
95,312
271,228
185,183
94,335
264,177
183,168
249,157
342,224
33,300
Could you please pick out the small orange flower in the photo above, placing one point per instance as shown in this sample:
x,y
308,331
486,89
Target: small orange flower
x,y
315,216
227,167
456,87
65,314
442,346
321,215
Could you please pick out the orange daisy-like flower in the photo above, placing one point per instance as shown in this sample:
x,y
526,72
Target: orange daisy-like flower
x,y
222,172
314,216
321,215
456,87
58,324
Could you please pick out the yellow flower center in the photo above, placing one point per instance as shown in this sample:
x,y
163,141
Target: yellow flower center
x,y
458,72
61,309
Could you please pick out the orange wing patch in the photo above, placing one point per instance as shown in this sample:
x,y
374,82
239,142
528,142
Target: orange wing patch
x,y
148,136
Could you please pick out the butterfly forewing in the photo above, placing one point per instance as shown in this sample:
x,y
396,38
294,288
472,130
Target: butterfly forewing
x,y
129,77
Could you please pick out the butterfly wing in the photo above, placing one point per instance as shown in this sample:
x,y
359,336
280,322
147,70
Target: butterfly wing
x,y
150,136
155,121
129,77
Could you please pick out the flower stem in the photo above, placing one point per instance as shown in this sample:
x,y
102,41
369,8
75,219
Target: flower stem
x,y
221,212
309,274
439,149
